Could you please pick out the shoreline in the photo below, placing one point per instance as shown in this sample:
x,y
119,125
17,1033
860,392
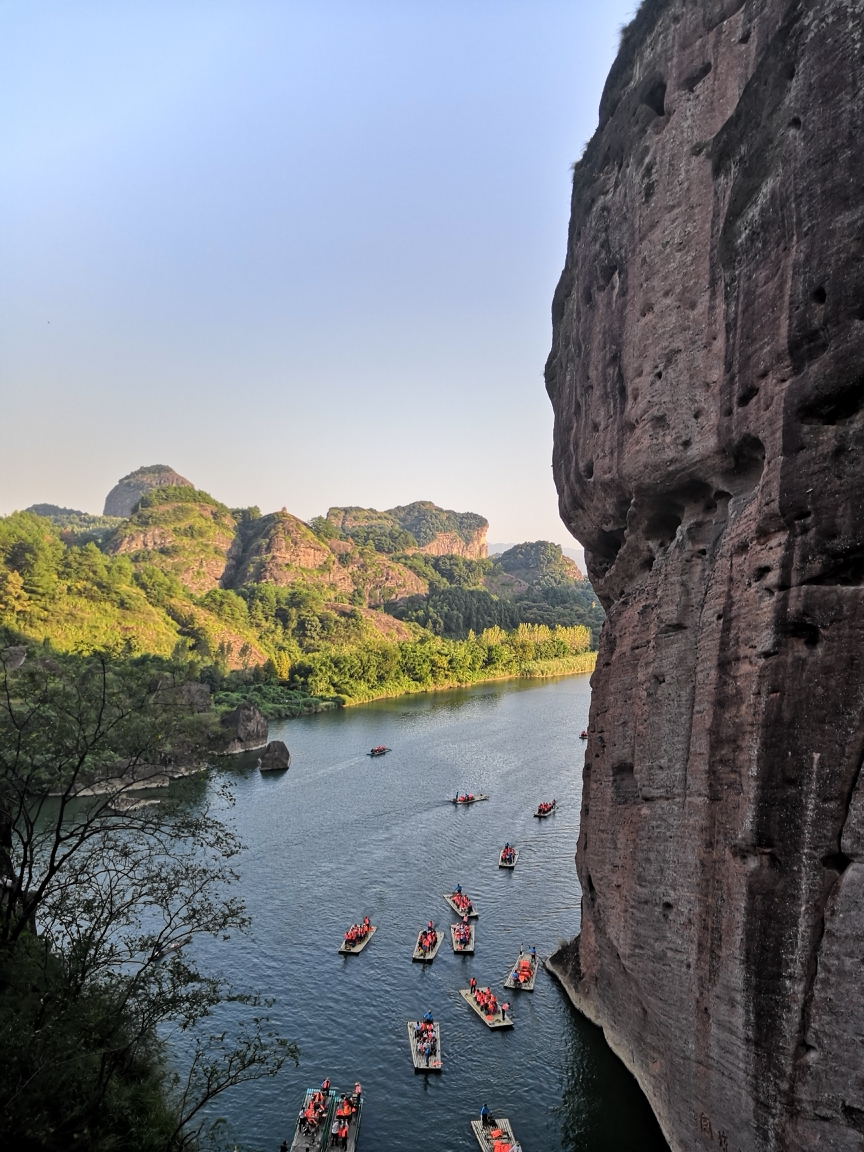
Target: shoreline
x,y
543,670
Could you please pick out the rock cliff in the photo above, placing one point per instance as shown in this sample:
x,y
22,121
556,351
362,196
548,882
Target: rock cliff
x,y
419,527
126,493
707,378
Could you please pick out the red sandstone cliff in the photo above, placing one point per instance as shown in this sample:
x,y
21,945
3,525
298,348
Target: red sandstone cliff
x,y
707,377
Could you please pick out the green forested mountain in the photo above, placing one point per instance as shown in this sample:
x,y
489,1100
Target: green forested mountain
x,y
357,603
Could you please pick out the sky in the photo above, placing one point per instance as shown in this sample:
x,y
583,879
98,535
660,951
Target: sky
x,y
302,251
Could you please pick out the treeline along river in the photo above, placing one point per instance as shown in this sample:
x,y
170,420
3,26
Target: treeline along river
x,y
340,836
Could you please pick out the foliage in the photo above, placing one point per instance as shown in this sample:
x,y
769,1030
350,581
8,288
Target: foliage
x,y
422,519
372,669
86,1005
385,538
455,612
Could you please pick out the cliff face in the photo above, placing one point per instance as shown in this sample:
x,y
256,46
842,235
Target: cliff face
x,y
707,377
127,492
418,527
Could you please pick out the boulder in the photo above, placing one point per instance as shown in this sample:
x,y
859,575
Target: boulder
x,y
244,729
275,757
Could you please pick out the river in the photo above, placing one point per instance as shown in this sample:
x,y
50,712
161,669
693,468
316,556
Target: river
x,y
341,835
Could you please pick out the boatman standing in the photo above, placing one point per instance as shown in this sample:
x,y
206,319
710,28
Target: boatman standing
x,y
484,1116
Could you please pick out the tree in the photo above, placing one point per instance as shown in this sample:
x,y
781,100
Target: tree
x,y
100,898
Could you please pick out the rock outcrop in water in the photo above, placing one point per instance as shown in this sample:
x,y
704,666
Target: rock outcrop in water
x,y
707,377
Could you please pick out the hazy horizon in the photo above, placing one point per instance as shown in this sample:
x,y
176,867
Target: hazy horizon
x,y
303,254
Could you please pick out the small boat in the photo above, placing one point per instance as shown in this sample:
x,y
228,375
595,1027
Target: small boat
x,y
525,964
428,956
379,751
457,947
472,915
167,949
423,1063
499,1020
356,1100
308,1138
352,949
583,735
542,812
502,863
467,798
497,1131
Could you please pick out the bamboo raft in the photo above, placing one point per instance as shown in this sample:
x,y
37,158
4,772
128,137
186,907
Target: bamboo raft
x,y
473,800
317,1140
528,986
381,751
353,1127
457,947
484,1135
348,950
543,815
427,957
417,1056
512,864
472,915
497,1021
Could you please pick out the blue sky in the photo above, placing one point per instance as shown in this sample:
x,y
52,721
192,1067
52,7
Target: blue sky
x,y
303,252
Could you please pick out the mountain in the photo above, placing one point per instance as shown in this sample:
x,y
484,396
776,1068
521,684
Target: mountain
x,y
238,589
126,493
419,527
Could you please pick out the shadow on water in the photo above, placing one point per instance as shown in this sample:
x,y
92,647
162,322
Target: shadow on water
x,y
593,1075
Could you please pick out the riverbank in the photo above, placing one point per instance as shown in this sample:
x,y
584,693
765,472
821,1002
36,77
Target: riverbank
x,y
535,670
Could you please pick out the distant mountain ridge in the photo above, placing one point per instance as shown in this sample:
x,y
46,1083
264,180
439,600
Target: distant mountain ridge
x,y
184,569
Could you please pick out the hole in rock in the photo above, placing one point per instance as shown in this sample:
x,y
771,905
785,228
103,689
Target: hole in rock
x,y
795,122
748,460
818,295
761,573
828,407
838,862
853,1116
624,788
847,571
696,78
805,630
608,544
746,396
655,97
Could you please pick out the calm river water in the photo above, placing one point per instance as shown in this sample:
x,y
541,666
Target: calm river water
x,y
341,835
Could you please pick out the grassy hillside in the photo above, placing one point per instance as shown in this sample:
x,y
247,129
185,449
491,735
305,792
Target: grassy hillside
x,y
248,598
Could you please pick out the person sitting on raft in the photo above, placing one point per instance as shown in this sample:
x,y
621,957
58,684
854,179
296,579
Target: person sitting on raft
x,y
428,939
545,806
464,798
486,1000
462,902
357,933
462,933
508,854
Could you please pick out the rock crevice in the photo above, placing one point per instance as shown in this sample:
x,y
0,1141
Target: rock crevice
x,y
707,382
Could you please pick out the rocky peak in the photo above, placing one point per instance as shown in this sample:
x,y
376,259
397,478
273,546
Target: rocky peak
x,y
126,493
